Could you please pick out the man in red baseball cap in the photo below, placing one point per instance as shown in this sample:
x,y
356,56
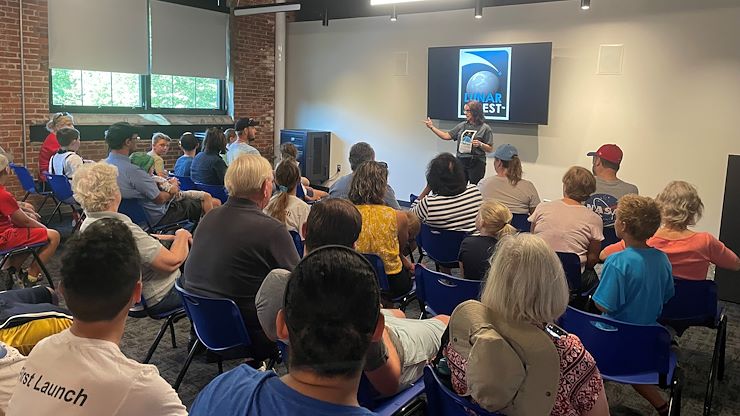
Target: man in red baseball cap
x,y
609,188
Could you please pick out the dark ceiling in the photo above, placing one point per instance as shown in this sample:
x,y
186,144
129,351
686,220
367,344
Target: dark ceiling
x,y
343,9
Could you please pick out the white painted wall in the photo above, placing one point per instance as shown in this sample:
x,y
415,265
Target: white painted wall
x,y
674,110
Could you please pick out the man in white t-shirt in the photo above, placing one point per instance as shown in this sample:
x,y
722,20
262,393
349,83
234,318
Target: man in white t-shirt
x,y
82,371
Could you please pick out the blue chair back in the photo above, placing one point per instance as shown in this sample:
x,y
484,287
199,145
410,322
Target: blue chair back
x,y
619,348
60,186
298,242
24,177
132,208
610,237
186,183
442,246
521,223
441,293
693,304
379,267
217,322
216,191
442,401
572,267
299,191
413,198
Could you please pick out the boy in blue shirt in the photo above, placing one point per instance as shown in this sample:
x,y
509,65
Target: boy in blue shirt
x,y
189,145
331,314
637,282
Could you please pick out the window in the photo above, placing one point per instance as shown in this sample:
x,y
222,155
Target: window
x,y
95,91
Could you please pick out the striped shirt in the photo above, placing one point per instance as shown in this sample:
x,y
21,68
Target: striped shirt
x,y
456,213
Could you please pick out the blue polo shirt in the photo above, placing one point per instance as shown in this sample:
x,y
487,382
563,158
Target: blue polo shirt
x,y
182,166
246,391
635,284
135,183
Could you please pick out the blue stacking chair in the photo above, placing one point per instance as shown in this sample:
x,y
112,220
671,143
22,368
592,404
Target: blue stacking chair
x,y
216,191
32,249
377,263
218,326
298,241
29,185
140,310
610,237
132,208
440,293
629,353
572,267
186,183
521,222
441,401
442,246
62,191
695,304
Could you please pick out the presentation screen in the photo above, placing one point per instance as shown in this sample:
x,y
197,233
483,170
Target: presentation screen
x,y
511,81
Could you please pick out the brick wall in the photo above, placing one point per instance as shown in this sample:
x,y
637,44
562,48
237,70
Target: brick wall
x,y
253,72
252,69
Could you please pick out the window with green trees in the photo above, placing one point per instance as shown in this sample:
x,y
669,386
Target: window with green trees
x,y
81,91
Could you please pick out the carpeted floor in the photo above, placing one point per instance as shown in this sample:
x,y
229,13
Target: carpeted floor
x,y
696,348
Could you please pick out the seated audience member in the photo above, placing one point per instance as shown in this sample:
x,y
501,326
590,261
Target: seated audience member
x,y
568,226
285,206
51,144
609,188
208,167
359,153
82,370
160,147
11,364
453,203
636,282
189,145
231,136
689,252
525,291
327,344
289,151
407,344
18,229
134,183
29,315
65,161
146,162
384,229
507,186
95,188
238,245
246,133
475,253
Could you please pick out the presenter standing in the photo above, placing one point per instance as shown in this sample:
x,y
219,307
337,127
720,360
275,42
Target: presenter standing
x,y
474,139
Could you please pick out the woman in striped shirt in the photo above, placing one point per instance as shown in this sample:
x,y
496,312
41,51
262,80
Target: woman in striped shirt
x,y
453,203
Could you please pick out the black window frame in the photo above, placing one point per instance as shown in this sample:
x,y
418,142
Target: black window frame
x,y
146,108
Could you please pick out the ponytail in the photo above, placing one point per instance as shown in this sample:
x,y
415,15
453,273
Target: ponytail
x,y
496,219
513,169
287,176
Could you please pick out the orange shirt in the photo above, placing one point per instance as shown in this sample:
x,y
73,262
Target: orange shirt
x,y
690,256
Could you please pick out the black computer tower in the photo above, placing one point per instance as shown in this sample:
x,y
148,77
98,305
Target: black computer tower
x,y
313,152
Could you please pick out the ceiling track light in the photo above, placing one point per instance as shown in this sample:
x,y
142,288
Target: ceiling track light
x,y
585,4
325,18
394,16
478,9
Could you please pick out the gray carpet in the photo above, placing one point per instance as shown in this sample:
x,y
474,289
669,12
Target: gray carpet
x,y
696,347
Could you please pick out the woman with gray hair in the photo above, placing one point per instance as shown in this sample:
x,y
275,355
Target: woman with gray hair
x,y
96,190
689,252
525,292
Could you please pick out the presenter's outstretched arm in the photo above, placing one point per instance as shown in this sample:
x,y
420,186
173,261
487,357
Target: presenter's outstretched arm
x,y
440,133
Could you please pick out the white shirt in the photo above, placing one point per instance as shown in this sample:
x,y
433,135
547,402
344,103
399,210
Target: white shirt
x,y
69,375
10,367
65,163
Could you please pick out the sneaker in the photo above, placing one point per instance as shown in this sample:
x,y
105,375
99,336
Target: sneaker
x,y
16,278
27,280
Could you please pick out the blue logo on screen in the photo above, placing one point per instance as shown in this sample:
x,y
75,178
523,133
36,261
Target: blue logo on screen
x,y
484,77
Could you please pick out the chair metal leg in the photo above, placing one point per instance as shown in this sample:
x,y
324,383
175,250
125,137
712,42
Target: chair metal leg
x,y
423,314
220,365
56,209
43,202
42,266
674,405
25,197
185,366
172,331
723,345
158,338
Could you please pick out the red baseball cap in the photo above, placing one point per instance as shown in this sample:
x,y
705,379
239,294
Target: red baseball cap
x,y
609,152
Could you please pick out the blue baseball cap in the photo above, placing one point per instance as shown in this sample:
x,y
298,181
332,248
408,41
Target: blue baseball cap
x,y
505,152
